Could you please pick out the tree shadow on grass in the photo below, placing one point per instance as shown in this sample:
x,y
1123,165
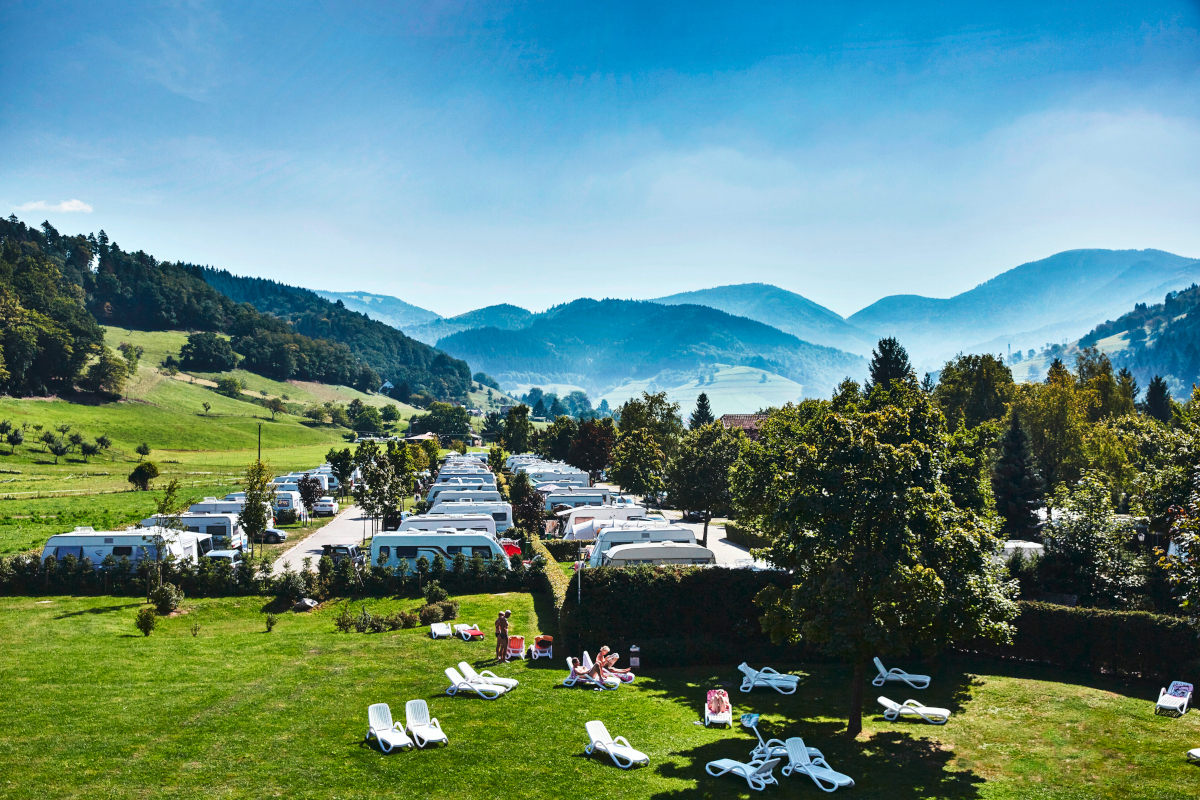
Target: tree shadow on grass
x,y
1126,686
98,610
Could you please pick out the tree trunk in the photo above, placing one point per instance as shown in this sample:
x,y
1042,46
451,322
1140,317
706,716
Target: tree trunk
x,y
854,725
707,517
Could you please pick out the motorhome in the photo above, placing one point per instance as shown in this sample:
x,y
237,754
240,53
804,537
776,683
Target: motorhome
x,y
574,499
469,495
439,488
578,523
617,532
135,545
580,479
627,555
446,542
327,481
501,513
224,529
459,522
211,505
485,479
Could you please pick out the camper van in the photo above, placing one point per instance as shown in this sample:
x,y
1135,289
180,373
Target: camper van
x,y
134,545
577,523
460,522
211,505
459,486
501,513
446,542
575,499
626,555
634,532
579,479
223,528
468,495
327,481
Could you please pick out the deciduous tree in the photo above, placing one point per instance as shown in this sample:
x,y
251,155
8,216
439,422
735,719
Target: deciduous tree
x,y
260,499
637,463
698,477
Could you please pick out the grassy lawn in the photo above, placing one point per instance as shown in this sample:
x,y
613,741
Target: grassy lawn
x,y
238,712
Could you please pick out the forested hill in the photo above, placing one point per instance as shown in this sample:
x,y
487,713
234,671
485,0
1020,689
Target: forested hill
x,y
1161,339
285,338
390,352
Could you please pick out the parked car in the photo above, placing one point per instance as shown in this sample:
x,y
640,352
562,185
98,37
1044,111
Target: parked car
x,y
272,536
340,552
325,507
234,557
693,516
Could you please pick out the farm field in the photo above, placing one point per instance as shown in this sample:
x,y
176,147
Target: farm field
x,y
731,390
234,711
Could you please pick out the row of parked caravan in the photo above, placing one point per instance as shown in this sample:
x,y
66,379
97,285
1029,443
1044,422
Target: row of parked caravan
x,y
466,516
559,483
208,529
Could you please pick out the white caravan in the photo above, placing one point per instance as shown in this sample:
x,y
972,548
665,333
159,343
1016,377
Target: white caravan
x,y
575,499
469,495
223,528
635,532
501,513
482,523
577,523
211,505
135,545
412,545
471,486
627,555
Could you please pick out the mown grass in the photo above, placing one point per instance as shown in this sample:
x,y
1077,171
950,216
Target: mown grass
x,y
94,709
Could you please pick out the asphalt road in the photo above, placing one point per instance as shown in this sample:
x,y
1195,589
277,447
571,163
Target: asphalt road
x,y
346,528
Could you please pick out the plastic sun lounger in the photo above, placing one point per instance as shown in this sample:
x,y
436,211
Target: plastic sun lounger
x,y
488,691
487,676
584,680
898,675
800,763
423,729
1174,701
774,748
440,630
718,717
543,649
516,648
469,632
757,773
387,733
618,749
784,684
911,708
1193,755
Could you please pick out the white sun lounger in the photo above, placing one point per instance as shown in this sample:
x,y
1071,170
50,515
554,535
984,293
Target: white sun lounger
x,y
900,676
801,763
440,630
387,733
423,729
911,708
717,717
1174,701
487,676
784,684
468,632
1193,755
757,773
618,749
488,691
586,680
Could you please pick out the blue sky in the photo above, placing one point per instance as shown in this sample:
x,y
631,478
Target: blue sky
x,y
459,154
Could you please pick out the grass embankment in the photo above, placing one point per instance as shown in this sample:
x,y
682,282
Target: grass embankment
x,y
238,712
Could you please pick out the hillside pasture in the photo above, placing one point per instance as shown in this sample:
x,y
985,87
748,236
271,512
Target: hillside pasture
x,y
731,390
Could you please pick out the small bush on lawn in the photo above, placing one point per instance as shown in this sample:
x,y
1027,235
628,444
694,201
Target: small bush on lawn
x,y
393,622
409,619
195,629
434,593
285,516
272,619
291,586
344,621
146,621
449,609
430,614
166,598
362,623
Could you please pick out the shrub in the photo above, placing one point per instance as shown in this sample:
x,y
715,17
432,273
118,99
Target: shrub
x,y
565,549
195,629
409,619
272,619
285,516
434,593
449,609
146,621
430,614
743,535
377,624
362,623
142,475
394,622
344,621
291,586
166,598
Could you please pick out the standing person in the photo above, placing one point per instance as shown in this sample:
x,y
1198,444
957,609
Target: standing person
x,y
501,636
507,630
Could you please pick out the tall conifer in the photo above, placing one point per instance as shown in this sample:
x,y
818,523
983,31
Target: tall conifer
x,y
1016,482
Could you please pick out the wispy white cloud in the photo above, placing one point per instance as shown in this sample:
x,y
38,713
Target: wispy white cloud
x,y
64,207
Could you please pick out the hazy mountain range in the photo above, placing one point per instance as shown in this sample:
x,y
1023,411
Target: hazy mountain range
x,y
1055,299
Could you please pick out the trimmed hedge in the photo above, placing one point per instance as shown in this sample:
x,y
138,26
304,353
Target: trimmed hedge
x,y
555,582
1129,643
740,536
565,549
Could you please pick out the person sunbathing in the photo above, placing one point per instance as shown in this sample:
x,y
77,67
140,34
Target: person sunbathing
x,y
579,671
608,665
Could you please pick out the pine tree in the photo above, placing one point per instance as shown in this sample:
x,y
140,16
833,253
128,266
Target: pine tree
x,y
889,363
1158,399
1016,482
702,415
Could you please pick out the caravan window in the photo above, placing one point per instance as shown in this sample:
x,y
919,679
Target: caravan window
x,y
453,550
122,550
217,530
68,550
385,552
500,516
406,552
